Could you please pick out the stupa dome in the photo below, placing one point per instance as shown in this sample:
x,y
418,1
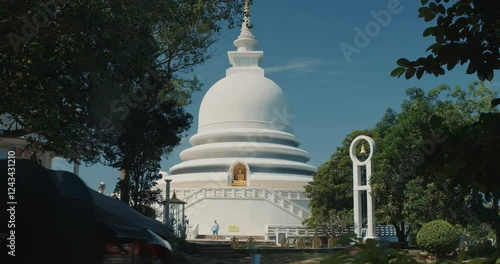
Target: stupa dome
x,y
244,100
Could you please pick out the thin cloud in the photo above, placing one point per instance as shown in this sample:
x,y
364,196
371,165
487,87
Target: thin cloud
x,y
305,65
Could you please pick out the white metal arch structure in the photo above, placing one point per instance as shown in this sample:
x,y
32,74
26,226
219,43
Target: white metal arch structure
x,y
359,187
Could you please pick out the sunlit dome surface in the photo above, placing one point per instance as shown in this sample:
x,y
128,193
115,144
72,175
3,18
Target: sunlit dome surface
x,y
243,97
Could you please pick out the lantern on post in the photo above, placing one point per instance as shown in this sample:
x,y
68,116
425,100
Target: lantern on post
x,y
177,219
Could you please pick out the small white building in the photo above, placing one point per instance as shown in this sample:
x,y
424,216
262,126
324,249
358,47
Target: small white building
x,y
244,168
18,147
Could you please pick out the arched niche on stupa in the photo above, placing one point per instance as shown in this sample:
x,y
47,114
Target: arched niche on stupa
x,y
238,174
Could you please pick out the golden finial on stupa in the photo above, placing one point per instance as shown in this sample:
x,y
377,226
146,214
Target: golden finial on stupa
x,y
247,7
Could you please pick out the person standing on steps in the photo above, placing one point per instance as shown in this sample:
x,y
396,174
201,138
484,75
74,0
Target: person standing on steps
x,y
215,230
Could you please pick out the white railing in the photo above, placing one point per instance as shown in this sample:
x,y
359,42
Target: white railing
x,y
272,232
292,194
381,231
182,193
245,193
286,204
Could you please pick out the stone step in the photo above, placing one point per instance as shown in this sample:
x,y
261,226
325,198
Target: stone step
x,y
215,249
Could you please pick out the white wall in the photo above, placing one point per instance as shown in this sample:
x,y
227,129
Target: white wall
x,y
250,215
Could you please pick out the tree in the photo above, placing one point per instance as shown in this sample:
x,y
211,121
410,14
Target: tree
x,y
72,70
469,160
106,79
408,196
145,136
141,179
395,158
428,198
332,224
183,44
465,31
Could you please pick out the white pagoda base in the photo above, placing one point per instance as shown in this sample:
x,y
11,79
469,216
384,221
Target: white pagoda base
x,y
242,211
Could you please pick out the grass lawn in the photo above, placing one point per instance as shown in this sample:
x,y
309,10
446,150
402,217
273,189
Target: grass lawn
x,y
274,257
277,258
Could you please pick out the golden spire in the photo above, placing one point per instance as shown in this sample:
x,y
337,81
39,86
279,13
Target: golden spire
x,y
247,7
246,41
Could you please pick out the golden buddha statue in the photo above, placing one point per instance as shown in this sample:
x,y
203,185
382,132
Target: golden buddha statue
x,y
239,179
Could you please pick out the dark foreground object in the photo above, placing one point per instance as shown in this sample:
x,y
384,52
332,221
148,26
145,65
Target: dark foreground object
x,y
53,217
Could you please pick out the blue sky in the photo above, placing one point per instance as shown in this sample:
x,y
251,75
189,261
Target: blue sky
x,y
328,94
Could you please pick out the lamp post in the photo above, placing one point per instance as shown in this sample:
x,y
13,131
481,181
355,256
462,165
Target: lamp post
x,y
166,204
76,168
179,215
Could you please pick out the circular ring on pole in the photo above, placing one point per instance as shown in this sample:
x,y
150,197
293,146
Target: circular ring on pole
x,y
354,145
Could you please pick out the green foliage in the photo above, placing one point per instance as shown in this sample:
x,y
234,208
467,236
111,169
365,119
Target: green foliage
x,y
438,237
481,250
368,252
464,31
398,155
374,253
346,239
408,194
430,198
90,63
468,159
469,155
333,224
479,233
146,210
105,81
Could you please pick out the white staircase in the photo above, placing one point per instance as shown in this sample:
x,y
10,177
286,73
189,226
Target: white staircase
x,y
273,197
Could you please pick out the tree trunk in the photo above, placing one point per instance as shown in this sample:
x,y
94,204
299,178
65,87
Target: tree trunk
x,y
401,234
124,187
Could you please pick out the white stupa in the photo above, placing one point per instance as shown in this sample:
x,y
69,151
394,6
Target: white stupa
x,y
244,168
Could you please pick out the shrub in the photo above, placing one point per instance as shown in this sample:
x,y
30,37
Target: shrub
x,y
481,250
479,233
438,237
369,252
